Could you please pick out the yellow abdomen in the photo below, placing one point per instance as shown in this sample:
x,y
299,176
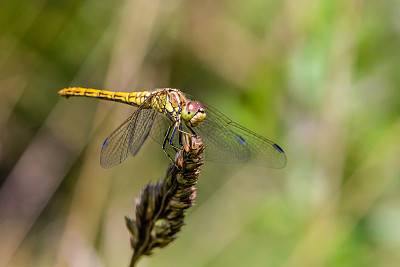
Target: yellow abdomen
x,y
133,98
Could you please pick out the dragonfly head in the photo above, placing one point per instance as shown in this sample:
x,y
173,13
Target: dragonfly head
x,y
193,113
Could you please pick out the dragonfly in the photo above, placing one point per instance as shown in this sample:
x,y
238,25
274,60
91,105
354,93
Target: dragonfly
x,y
166,114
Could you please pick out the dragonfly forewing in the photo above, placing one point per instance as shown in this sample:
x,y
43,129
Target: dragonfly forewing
x,y
228,141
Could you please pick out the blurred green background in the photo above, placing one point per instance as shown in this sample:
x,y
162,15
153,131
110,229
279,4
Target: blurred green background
x,y
321,78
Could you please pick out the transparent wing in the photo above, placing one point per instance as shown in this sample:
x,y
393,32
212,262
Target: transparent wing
x,y
128,137
227,141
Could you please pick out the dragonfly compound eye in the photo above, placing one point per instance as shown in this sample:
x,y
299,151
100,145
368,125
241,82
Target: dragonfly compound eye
x,y
193,113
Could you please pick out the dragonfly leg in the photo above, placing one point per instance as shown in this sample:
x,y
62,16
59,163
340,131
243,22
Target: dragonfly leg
x,y
173,135
180,135
165,142
194,134
166,138
181,132
171,139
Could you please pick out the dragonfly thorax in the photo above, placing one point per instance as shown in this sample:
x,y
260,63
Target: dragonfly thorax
x,y
193,113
